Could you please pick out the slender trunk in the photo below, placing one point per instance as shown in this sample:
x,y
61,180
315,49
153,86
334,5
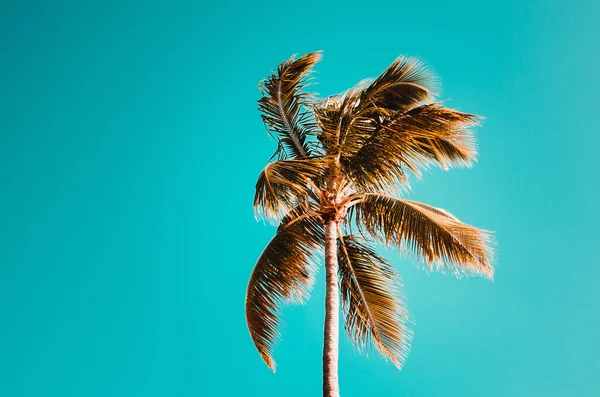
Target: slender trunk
x,y
332,320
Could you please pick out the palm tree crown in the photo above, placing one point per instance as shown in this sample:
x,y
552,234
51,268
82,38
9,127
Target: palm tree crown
x,y
342,164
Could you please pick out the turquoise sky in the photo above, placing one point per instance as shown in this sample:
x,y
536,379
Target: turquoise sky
x,y
130,143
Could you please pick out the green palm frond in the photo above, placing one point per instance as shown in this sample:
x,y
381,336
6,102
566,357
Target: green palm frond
x,y
284,184
431,234
284,106
284,273
370,290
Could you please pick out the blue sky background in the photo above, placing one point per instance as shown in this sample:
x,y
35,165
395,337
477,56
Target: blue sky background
x,y
130,143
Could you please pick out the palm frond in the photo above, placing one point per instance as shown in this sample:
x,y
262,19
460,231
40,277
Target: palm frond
x,y
284,273
431,234
283,184
284,106
433,134
408,142
335,115
374,312
347,120
404,84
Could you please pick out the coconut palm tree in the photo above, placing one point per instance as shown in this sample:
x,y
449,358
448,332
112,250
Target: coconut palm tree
x,y
334,183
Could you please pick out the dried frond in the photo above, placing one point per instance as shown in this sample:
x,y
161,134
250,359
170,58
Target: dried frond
x,y
431,234
284,106
374,311
284,273
283,184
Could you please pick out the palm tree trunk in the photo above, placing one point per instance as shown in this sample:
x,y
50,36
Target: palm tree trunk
x,y
332,320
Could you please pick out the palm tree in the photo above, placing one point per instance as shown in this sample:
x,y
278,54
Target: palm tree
x,y
336,178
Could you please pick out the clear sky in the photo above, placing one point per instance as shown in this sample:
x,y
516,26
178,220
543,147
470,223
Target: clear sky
x,y
130,143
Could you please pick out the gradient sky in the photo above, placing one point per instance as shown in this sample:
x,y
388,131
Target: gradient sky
x,y
130,143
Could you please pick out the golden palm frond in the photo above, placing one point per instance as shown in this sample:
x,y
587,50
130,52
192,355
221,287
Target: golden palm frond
x,y
351,118
435,134
431,234
370,290
342,132
426,135
347,120
284,272
335,117
284,184
381,129
404,84
284,106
